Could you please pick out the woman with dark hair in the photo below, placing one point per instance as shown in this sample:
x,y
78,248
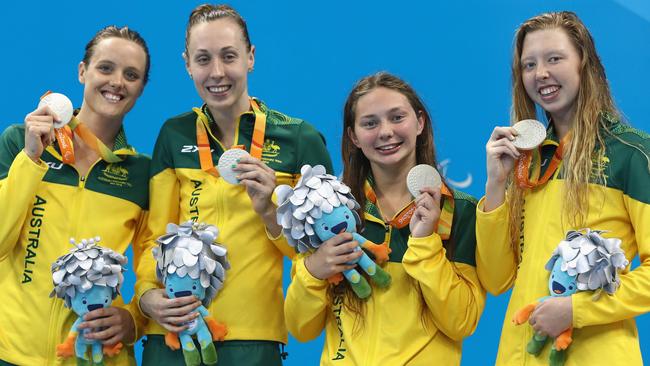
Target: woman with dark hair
x,y
592,172
85,182
185,185
435,299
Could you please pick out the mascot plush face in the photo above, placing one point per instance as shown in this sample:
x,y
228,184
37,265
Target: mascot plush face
x,y
560,283
96,298
177,286
338,221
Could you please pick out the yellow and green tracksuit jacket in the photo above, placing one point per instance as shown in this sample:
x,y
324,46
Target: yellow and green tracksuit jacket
x,y
250,303
421,319
47,204
604,330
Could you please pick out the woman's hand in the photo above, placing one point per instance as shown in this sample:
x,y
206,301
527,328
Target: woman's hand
x,y
39,131
427,212
552,316
171,314
333,256
109,325
501,155
259,181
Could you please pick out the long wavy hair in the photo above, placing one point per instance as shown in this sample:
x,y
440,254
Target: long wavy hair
x,y
585,151
356,166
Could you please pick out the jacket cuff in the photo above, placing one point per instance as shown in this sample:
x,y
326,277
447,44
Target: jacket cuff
x,y
423,247
306,278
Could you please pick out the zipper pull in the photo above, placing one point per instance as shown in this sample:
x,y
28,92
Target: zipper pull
x,y
82,178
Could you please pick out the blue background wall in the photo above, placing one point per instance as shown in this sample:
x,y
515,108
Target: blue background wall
x,y
456,55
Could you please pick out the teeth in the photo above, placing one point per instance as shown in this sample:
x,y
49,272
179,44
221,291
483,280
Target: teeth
x,y
548,90
387,147
112,97
218,89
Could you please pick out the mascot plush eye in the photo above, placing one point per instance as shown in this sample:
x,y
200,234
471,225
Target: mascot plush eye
x,y
84,301
325,227
194,287
347,217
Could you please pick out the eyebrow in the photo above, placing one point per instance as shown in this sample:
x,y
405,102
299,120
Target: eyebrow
x,y
562,51
227,48
392,110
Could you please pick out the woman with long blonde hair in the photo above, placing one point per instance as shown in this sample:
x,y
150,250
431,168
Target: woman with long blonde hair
x,y
592,172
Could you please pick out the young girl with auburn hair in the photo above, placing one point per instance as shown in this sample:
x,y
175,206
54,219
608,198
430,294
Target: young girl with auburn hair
x,y
435,299
185,185
595,173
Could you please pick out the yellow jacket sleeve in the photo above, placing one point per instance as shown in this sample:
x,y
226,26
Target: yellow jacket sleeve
x,y
632,298
163,209
305,308
445,285
496,262
138,245
17,192
281,244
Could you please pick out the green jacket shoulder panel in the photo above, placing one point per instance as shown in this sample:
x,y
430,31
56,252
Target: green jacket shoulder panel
x,y
627,162
463,229
176,145
463,232
128,180
289,143
12,141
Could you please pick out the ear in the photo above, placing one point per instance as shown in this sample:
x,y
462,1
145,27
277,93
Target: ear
x,y
352,136
186,59
421,122
251,58
81,72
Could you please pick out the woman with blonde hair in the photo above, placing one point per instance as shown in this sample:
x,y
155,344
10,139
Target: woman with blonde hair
x,y
592,171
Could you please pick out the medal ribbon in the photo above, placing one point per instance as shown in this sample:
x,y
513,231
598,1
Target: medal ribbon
x,y
403,218
203,141
64,140
527,178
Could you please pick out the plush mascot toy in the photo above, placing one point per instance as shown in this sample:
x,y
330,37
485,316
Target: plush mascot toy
x,y
584,261
317,209
191,263
87,278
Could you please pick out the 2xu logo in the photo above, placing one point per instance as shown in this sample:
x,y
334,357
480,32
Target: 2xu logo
x,y
56,166
191,149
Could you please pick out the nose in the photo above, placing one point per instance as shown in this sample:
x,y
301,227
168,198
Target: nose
x,y
541,72
217,69
385,130
116,80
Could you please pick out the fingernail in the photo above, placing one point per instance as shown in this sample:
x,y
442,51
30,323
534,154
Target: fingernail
x,y
233,166
238,160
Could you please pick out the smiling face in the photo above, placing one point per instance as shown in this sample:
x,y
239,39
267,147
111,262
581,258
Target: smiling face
x,y
551,72
96,298
218,60
113,78
386,128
